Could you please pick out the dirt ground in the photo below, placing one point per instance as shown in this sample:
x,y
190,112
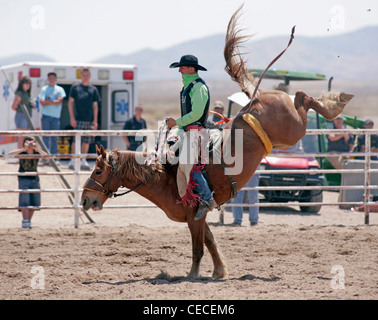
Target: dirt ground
x,y
140,254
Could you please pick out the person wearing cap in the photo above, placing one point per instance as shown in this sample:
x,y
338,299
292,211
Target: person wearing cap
x,y
368,124
135,123
213,119
195,101
339,142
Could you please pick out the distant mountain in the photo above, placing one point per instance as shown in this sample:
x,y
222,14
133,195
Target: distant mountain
x,y
350,56
347,56
24,57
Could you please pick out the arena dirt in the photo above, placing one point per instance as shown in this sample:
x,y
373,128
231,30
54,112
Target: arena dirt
x,y
140,254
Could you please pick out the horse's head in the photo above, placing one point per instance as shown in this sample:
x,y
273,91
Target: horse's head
x,y
102,183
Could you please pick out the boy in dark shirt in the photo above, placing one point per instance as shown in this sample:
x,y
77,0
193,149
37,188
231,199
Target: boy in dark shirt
x,y
28,182
83,109
134,123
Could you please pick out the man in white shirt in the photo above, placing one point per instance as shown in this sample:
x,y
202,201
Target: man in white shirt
x,y
51,98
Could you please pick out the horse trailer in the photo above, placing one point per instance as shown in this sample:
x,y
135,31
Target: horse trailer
x,y
116,84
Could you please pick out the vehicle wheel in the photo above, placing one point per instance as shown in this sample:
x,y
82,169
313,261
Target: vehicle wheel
x,y
314,196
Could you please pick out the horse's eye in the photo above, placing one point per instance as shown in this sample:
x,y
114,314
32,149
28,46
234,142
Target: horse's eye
x,y
98,172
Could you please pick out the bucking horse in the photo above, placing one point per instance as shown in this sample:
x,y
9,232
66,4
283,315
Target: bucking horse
x,y
269,120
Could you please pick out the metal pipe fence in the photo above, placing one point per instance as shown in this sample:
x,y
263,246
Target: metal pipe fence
x,y
76,190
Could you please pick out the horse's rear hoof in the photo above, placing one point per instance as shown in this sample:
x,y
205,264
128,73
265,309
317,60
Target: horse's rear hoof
x,y
334,103
345,97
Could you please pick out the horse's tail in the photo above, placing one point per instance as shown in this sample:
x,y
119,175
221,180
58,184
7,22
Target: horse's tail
x,y
235,65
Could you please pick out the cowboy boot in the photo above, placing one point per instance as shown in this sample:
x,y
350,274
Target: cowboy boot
x,y
204,208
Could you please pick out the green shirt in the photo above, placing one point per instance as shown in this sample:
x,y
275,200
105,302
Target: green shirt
x,y
198,95
25,99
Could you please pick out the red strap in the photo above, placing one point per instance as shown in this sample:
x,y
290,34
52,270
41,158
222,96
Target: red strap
x,y
224,119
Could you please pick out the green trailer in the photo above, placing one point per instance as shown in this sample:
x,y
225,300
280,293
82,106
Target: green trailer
x,y
288,75
316,121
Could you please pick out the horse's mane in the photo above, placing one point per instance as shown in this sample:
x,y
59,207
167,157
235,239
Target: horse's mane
x,y
128,166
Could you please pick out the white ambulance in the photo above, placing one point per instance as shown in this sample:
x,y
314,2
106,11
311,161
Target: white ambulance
x,y
116,84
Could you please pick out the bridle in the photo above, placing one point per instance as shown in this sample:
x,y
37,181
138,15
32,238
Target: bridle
x,y
93,185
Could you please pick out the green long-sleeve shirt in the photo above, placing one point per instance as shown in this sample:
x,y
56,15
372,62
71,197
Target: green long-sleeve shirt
x,y
198,95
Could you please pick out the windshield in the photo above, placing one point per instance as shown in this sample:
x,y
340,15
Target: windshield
x,y
311,142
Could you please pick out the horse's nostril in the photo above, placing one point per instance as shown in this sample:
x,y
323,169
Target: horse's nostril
x,y
84,202
97,204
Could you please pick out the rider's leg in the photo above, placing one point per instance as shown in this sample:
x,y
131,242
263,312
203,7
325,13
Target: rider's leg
x,y
203,189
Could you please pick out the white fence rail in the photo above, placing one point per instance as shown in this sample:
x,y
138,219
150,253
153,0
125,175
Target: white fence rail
x,y
76,190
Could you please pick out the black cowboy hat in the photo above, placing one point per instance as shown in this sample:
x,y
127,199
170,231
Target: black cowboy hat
x,y
188,61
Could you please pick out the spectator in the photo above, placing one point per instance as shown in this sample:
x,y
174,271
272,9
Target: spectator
x,y
51,98
339,142
22,97
253,197
135,123
83,109
368,124
28,182
214,118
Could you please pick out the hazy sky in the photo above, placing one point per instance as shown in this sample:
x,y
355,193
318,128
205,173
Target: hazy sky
x,y
84,30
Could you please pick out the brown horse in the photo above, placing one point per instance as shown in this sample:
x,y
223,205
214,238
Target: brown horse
x,y
283,122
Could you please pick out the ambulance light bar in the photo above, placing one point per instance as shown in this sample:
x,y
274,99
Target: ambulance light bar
x,y
103,74
60,73
34,72
128,75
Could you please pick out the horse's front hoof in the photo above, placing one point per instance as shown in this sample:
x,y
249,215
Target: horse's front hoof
x,y
193,275
218,275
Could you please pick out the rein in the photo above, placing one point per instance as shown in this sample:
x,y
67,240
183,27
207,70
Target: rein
x,y
154,155
93,185
115,195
